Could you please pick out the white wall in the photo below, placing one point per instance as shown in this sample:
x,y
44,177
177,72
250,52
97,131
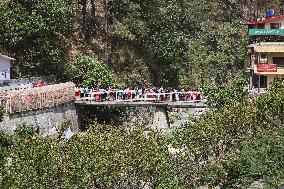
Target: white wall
x,y
5,66
267,24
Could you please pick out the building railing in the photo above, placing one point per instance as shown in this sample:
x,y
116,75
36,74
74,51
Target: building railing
x,y
37,98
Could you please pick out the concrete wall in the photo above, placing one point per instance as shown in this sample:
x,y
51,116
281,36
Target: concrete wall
x,y
4,69
47,119
161,120
139,116
270,79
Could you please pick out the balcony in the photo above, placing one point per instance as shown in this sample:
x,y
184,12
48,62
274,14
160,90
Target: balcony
x,y
267,32
266,67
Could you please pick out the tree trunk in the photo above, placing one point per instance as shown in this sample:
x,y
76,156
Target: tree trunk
x,y
106,31
84,14
93,4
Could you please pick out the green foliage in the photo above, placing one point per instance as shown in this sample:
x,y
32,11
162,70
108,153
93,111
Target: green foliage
x,y
263,158
165,42
235,145
231,94
1,113
5,143
154,30
171,43
273,102
92,72
212,140
5,140
26,131
185,46
103,157
36,33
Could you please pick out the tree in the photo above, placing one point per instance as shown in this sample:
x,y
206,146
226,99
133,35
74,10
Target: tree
x,y
91,71
231,94
37,34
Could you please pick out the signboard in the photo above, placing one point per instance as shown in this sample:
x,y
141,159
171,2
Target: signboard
x,y
267,67
266,31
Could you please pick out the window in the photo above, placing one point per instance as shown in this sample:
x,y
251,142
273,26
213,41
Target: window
x,y
251,26
261,26
263,58
275,25
279,61
259,81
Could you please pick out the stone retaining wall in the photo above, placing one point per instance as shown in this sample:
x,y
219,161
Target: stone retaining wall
x,y
49,120
160,118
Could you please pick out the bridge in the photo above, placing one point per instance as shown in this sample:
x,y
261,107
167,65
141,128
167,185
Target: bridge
x,y
162,103
143,103
116,99
23,100
50,105
162,108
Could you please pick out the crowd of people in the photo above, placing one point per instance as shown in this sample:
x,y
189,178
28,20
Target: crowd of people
x,y
21,86
135,94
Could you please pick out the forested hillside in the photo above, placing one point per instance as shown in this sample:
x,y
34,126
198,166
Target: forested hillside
x,y
183,43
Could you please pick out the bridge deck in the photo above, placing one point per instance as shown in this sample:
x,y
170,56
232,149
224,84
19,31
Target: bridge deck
x,y
179,104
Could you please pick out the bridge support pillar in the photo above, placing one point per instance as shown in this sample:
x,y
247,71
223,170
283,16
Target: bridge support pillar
x,y
161,119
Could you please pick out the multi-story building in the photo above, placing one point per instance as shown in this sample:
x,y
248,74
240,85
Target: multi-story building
x,y
266,51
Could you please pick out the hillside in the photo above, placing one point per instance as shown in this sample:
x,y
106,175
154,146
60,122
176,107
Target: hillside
x,y
175,43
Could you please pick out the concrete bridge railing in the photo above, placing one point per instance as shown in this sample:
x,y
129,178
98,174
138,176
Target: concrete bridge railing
x,y
37,98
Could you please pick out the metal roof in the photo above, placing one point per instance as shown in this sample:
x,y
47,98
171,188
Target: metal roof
x,y
266,20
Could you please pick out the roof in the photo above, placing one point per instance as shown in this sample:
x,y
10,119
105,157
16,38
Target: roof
x,y
266,20
6,57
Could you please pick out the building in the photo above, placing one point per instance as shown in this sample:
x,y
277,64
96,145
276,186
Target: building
x,y
266,51
5,66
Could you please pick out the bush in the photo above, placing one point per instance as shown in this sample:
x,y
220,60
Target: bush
x,y
102,157
26,130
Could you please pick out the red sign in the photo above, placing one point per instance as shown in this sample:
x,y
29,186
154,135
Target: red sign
x,y
267,67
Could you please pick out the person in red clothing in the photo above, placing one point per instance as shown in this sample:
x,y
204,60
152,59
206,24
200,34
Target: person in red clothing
x,y
77,93
41,83
129,95
97,95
